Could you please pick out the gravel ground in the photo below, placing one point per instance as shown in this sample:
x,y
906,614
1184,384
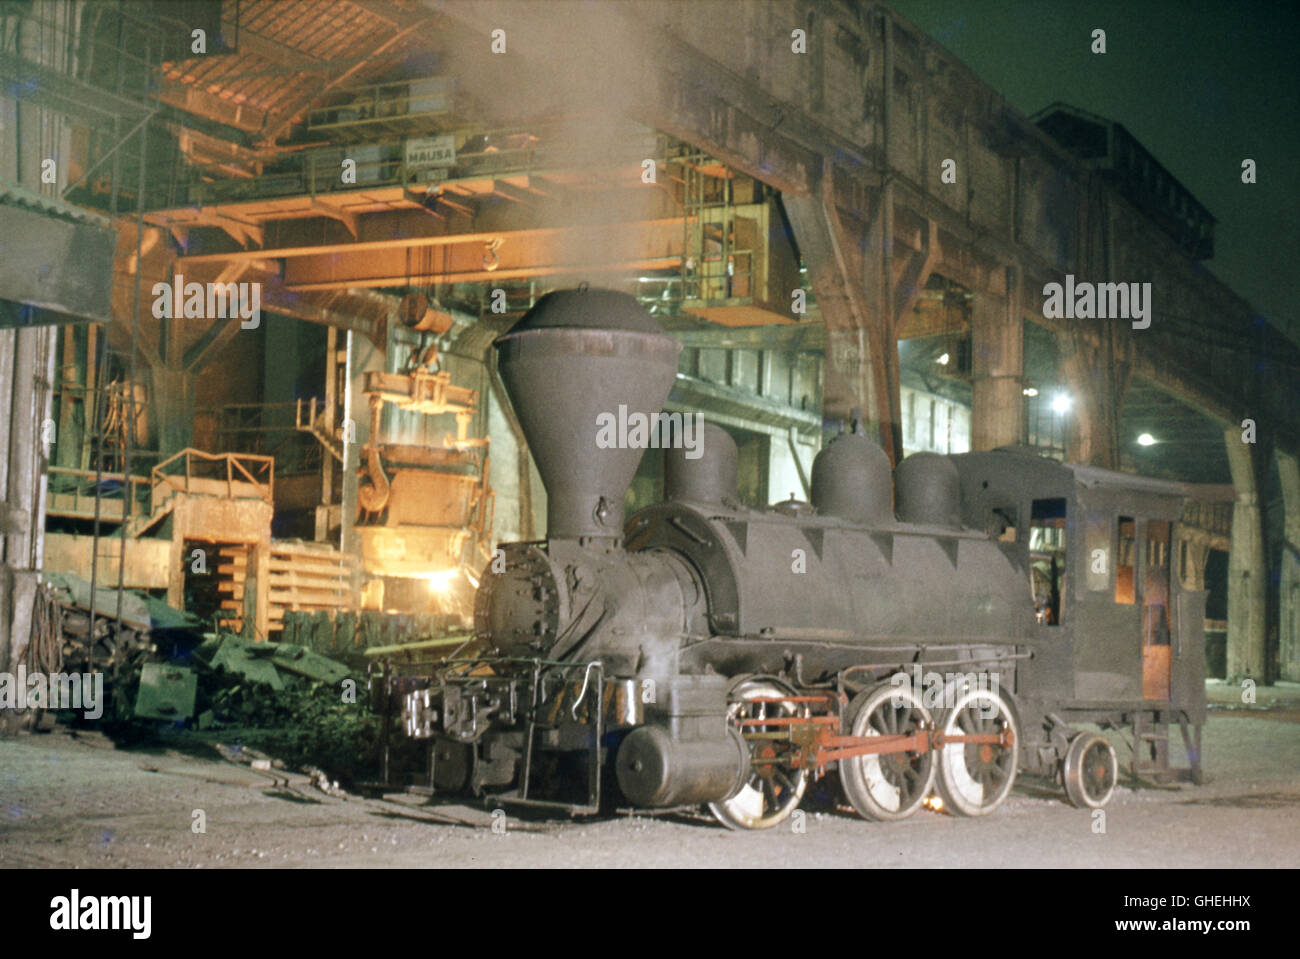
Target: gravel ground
x,y
74,800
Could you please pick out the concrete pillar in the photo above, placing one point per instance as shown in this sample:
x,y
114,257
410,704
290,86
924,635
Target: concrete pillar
x,y
362,356
854,381
27,406
998,366
257,605
24,405
845,253
173,403
1288,468
72,374
176,559
1092,435
1247,565
1097,376
1196,552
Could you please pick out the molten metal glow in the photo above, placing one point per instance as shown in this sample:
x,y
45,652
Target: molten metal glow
x,y
440,582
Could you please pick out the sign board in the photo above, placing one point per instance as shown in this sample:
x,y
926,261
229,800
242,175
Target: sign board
x,y
428,153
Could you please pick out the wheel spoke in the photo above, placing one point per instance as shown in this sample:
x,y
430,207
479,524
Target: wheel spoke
x,y
997,773
966,722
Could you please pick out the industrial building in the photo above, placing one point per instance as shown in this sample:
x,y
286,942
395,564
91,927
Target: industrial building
x,y
254,255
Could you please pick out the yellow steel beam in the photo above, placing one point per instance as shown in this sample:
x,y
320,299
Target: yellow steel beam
x,y
647,244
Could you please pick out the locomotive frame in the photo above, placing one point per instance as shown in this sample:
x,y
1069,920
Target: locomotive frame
x,y
683,656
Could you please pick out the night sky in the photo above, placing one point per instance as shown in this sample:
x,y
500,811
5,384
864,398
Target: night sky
x,y
1202,85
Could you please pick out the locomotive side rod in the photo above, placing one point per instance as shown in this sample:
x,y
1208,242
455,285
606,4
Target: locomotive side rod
x,y
827,747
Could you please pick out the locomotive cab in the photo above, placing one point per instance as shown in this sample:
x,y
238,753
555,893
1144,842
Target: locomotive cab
x,y
1119,639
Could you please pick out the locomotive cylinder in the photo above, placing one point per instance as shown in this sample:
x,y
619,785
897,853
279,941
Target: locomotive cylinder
x,y
655,770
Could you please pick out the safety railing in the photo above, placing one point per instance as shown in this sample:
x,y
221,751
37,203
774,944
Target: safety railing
x,y
192,471
72,494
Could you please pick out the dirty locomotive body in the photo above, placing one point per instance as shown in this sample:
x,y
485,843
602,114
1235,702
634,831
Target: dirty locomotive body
x,y
916,631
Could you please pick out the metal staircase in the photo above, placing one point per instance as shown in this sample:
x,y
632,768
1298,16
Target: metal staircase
x,y
1151,747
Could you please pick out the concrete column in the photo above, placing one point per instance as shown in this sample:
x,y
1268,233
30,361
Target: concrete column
x,y
853,381
1247,566
72,373
845,253
998,366
1288,468
8,345
1092,434
176,560
173,404
1097,376
257,605
27,411
363,356
1196,552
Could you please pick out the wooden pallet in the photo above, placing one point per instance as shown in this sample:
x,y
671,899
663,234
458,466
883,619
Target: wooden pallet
x,y
299,577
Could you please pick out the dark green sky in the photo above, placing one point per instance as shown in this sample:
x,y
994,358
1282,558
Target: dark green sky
x,y
1201,84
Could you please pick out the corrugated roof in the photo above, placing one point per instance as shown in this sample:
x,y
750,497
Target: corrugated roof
x,y
288,50
15,195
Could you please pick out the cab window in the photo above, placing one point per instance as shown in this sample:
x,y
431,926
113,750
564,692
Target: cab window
x,y
1155,593
1126,561
1047,552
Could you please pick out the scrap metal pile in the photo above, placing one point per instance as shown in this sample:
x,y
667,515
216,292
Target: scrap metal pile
x,y
156,662
164,673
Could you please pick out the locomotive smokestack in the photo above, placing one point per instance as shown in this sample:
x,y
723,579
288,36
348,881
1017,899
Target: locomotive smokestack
x,y
577,359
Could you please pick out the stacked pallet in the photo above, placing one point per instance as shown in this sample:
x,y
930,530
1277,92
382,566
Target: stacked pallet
x,y
299,577
232,568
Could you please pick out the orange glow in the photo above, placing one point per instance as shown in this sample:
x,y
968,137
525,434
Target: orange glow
x,y
441,581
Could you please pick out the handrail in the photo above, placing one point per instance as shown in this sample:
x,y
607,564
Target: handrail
x,y
130,503
231,462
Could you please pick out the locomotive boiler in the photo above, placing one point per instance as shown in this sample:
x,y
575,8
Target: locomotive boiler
x,y
938,627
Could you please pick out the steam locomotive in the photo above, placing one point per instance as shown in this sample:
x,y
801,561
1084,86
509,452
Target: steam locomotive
x,y
940,627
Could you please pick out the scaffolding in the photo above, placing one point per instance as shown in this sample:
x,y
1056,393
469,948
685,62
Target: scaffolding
x,y
93,66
